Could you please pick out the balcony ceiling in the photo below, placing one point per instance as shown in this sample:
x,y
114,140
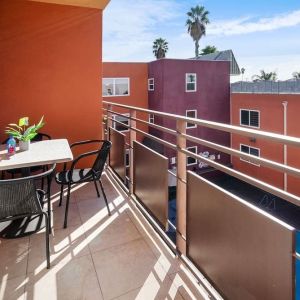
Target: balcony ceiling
x,y
100,4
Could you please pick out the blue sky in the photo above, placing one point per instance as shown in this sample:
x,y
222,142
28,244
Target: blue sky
x,y
263,34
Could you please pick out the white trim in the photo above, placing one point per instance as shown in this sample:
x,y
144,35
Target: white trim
x,y
247,161
151,118
249,110
196,150
186,82
149,84
194,125
114,84
115,123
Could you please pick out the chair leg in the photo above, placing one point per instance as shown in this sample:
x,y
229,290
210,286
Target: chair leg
x,y
105,199
67,206
49,181
95,182
61,194
47,240
42,185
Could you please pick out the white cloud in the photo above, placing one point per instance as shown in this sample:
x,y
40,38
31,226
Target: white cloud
x,y
129,28
249,25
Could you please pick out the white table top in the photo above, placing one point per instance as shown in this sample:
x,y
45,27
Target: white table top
x,y
39,153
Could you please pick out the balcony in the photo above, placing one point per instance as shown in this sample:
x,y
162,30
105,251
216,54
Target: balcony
x,y
96,257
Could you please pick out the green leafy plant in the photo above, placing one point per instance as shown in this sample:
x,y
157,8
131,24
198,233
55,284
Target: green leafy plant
x,y
22,131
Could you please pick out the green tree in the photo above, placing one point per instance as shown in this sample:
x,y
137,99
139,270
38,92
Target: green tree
x,y
208,50
196,23
265,76
296,75
160,48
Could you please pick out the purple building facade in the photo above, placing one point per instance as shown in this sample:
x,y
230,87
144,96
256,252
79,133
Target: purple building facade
x,y
194,88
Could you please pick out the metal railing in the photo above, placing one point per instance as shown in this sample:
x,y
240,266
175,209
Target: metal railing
x,y
181,138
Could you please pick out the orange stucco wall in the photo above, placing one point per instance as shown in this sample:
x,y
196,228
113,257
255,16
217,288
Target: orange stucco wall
x,y
50,64
138,94
271,119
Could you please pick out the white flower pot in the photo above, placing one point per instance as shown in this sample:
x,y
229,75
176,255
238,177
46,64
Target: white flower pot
x,y
24,146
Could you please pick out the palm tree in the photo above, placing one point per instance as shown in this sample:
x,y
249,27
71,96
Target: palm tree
x,y
160,48
196,23
296,75
264,76
208,50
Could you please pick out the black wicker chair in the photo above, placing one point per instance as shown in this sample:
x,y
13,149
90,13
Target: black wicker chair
x,y
75,176
19,198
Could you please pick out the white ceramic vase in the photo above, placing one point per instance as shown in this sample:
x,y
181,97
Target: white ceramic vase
x,y
24,146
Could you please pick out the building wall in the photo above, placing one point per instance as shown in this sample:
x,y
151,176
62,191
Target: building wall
x,y
50,64
211,100
271,119
138,90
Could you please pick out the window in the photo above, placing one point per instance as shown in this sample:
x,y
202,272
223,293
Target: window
x,y
151,118
191,114
191,160
124,120
115,87
173,160
250,150
127,158
249,118
190,82
151,84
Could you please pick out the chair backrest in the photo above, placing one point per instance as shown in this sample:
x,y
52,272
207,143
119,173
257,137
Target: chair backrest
x,y
19,196
101,158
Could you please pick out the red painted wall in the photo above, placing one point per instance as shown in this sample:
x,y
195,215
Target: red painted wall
x,y
271,119
50,64
138,94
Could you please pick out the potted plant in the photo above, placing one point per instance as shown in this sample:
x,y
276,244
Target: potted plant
x,y
23,132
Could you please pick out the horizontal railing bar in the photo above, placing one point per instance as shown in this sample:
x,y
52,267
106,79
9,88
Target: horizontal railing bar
x,y
172,146
165,129
260,184
275,137
255,159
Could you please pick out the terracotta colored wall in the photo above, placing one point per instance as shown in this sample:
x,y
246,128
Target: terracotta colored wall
x,y
50,64
138,94
271,119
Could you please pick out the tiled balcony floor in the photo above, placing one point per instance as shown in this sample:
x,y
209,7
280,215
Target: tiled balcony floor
x,y
96,257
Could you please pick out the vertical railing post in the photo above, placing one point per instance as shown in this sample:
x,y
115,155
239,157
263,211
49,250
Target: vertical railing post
x,y
132,138
181,189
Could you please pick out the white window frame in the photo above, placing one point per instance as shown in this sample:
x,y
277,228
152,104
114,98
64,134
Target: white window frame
x,y
151,118
173,160
194,125
247,161
196,150
115,123
249,111
186,82
151,85
114,86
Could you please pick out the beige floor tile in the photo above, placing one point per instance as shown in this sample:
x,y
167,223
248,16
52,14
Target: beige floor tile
x,y
164,255
188,285
63,242
13,289
13,257
116,230
59,216
71,279
126,267
154,290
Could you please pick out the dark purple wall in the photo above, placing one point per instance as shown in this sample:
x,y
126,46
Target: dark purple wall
x,y
211,100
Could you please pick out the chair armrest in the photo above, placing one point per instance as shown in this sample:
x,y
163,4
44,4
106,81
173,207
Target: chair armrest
x,y
77,159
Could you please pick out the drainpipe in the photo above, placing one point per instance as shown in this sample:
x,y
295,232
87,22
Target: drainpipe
x,y
285,104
